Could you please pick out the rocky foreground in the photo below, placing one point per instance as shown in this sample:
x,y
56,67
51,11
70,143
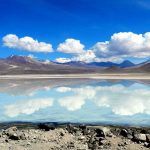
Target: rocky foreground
x,y
74,137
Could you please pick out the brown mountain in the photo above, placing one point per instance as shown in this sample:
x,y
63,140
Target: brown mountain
x,y
27,65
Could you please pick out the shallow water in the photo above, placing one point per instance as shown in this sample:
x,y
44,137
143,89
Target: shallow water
x,y
116,102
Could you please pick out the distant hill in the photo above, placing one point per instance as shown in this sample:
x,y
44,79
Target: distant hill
x,y
124,64
26,65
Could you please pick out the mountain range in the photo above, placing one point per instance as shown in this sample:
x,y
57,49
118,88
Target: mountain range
x,y
124,64
27,65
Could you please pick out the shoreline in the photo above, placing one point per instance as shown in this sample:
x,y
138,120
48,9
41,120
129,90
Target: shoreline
x,y
79,76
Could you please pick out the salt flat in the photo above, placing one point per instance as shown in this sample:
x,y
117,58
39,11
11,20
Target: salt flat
x,y
90,76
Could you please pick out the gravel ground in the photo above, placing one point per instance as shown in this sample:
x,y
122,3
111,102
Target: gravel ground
x,y
75,137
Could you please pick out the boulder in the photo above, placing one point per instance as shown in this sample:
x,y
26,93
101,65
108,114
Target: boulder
x,y
148,137
100,133
124,132
139,137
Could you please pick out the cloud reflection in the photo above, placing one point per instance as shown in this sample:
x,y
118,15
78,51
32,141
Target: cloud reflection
x,y
27,106
120,99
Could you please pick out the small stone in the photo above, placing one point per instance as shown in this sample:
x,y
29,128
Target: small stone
x,y
29,144
82,138
146,144
71,145
62,134
121,144
7,140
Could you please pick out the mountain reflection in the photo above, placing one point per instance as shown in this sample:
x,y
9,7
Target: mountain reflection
x,y
75,100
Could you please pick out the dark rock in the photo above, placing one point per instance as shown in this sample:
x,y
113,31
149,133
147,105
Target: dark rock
x,y
99,133
124,132
14,137
116,131
72,129
101,142
45,127
6,140
71,145
143,131
148,137
91,140
62,134
147,144
84,129
94,146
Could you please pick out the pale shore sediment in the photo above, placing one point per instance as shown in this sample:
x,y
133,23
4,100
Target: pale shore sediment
x,y
78,76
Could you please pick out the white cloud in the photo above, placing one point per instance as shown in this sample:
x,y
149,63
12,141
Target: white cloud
x,y
63,60
71,46
26,43
86,56
124,44
27,107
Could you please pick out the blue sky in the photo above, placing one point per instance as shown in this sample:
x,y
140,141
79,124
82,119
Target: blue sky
x,y
86,22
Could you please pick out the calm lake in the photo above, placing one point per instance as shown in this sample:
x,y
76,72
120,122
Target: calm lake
x,y
117,102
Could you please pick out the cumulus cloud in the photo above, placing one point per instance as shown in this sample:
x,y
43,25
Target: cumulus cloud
x,y
27,107
120,46
71,46
26,43
124,44
86,56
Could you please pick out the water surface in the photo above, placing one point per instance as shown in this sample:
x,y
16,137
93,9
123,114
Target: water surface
x,y
117,102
